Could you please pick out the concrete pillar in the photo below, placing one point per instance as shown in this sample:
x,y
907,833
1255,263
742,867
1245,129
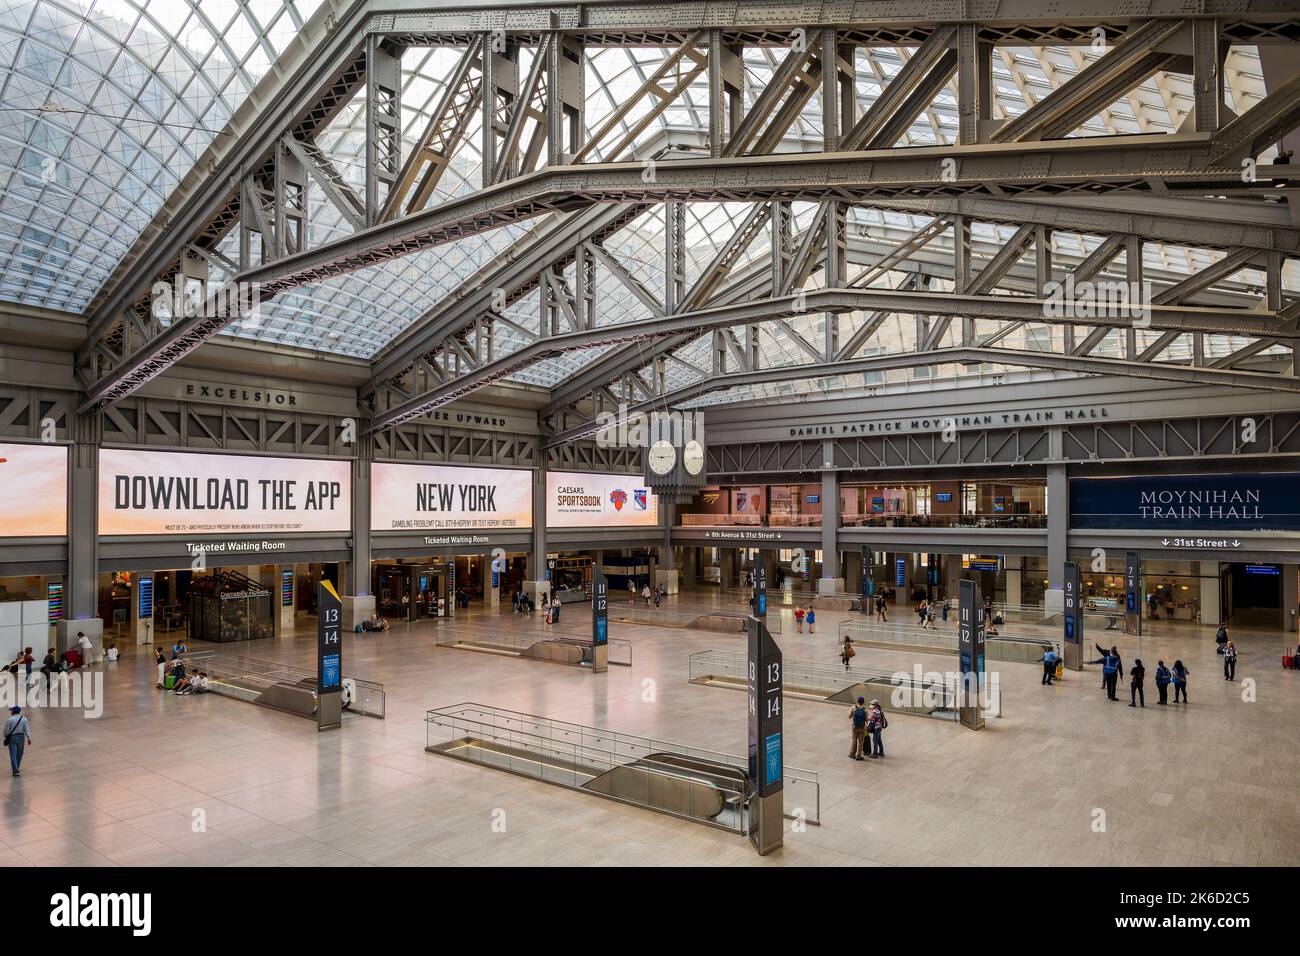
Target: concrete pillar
x,y
81,586
1211,609
491,593
358,602
1290,596
1058,523
690,571
666,571
727,567
951,575
853,571
1013,571
537,582
832,579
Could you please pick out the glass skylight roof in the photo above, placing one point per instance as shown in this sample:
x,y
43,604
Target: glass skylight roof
x,y
104,105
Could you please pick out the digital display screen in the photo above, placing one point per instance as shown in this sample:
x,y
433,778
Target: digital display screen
x,y
144,607
900,572
943,497
1262,569
877,504
54,601
772,759
331,672
286,589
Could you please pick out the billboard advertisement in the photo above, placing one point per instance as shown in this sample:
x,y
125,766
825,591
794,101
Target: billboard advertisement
x,y
1232,502
606,501
445,498
35,483
162,493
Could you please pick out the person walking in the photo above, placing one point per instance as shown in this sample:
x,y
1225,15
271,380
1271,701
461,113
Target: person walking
x,y
1230,661
1163,677
1136,692
1180,673
1221,639
798,619
1049,667
876,724
947,606
645,593
160,659
920,612
847,653
18,734
812,620
858,718
880,609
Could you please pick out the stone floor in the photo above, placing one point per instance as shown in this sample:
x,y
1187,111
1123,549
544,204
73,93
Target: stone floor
x,y
1214,782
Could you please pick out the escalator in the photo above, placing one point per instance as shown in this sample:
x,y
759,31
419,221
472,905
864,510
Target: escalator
x,y
678,784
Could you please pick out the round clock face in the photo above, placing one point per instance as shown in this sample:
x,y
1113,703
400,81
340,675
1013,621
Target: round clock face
x,y
693,457
662,457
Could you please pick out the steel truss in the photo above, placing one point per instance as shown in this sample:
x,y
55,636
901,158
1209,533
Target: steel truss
x,y
538,166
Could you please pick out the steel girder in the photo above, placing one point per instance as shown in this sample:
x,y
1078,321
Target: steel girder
x,y
1012,308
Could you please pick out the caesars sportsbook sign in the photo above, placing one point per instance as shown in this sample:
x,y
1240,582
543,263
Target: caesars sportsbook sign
x,y
161,493
599,501
443,498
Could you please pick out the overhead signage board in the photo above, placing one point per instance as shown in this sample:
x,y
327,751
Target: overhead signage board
x,y
35,483
408,497
575,500
1204,503
172,493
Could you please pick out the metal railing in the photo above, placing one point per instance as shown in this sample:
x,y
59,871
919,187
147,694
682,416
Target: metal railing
x,y
941,640
927,695
481,637
260,681
688,782
670,617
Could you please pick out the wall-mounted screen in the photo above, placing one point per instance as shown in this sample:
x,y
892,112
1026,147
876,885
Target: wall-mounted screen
x,y
599,501
164,493
445,498
35,483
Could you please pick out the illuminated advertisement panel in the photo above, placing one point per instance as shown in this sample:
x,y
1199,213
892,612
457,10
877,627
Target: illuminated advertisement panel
x,y
161,493
35,483
599,501
443,498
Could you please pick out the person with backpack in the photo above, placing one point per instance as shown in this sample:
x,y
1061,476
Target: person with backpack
x,y
876,723
49,666
18,734
847,653
1180,673
947,606
1137,676
812,620
858,717
1049,667
1163,677
1220,639
1229,661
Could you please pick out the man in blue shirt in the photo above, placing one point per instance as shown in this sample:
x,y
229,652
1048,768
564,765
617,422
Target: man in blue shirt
x,y
1049,666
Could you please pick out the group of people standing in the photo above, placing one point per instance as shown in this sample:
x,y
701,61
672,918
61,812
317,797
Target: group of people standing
x,y
1112,668
868,723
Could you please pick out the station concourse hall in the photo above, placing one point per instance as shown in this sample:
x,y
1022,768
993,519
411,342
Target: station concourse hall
x,y
465,434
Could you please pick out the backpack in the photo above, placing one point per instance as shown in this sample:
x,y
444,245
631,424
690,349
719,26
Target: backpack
x,y
859,717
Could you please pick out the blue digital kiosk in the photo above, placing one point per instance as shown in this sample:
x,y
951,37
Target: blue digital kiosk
x,y
329,657
766,740
599,621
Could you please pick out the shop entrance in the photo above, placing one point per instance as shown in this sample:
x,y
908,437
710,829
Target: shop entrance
x,y
1252,594
409,592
